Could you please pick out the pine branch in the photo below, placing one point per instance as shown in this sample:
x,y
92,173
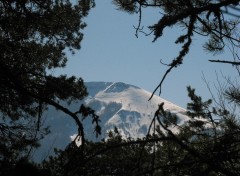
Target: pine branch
x,y
19,87
225,62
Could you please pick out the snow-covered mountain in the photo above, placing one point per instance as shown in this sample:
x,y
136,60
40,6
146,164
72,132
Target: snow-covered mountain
x,y
118,104
127,107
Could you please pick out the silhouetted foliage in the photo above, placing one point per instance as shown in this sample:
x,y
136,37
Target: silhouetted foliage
x,y
215,20
34,38
23,167
205,145
112,156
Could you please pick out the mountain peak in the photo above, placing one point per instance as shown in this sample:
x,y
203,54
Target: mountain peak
x,y
117,87
127,107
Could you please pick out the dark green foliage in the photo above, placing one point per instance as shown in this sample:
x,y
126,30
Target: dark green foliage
x,y
207,145
209,17
113,156
129,6
23,167
203,146
232,94
34,36
197,108
215,20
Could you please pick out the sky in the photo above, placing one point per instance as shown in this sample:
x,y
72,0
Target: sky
x,y
111,52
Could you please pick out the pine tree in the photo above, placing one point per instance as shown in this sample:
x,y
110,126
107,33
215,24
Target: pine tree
x,y
34,38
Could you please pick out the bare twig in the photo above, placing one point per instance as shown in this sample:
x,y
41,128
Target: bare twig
x,y
225,62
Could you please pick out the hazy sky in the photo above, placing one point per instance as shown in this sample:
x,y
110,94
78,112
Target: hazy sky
x,y
111,52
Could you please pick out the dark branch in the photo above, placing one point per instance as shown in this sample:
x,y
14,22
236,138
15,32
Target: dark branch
x,y
225,62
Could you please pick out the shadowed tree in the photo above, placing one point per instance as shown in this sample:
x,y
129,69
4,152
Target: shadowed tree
x,y
34,38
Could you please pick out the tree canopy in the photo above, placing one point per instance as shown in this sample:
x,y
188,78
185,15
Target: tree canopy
x,y
34,38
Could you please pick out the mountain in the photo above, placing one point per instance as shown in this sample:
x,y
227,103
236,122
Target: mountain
x,y
127,107
118,104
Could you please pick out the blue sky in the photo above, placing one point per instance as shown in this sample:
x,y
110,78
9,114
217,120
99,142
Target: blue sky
x,y
111,52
